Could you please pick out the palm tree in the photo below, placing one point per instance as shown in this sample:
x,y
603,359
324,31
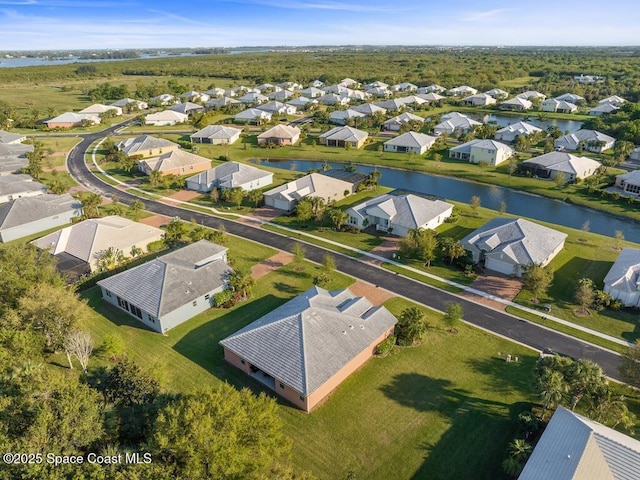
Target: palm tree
x,y
136,208
242,283
110,259
155,178
585,377
338,218
552,388
90,203
254,196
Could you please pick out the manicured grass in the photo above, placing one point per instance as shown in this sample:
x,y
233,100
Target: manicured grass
x,y
421,278
519,82
409,414
188,357
397,417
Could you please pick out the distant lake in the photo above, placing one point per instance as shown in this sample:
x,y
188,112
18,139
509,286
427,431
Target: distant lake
x,y
44,61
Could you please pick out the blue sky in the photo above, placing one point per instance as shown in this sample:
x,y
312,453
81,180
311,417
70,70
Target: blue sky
x,y
83,24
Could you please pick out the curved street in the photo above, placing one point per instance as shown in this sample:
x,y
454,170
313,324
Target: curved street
x,y
495,321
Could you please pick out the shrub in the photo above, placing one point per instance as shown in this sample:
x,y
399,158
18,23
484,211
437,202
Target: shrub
x,y
223,299
385,347
155,246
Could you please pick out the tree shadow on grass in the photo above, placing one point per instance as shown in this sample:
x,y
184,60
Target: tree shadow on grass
x,y
111,312
503,376
478,432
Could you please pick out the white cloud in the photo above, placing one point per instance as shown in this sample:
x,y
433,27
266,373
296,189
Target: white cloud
x,y
487,14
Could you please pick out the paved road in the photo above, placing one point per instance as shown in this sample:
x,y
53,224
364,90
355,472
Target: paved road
x,y
498,322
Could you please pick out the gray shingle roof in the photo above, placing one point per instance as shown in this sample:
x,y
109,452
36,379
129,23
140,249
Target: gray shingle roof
x,y
217,132
229,175
523,241
87,239
347,134
30,209
625,272
166,283
521,128
410,211
564,162
412,139
306,341
8,137
131,146
19,184
174,159
574,447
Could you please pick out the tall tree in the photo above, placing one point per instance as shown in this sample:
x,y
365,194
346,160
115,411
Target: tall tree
x,y
475,205
78,343
136,208
90,203
453,316
224,434
412,326
338,217
304,211
452,249
537,279
242,283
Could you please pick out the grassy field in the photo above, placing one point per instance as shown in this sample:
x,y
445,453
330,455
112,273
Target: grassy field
x,y
401,417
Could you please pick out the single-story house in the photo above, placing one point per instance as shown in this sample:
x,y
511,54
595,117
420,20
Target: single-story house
x,y
398,214
410,142
404,87
479,99
376,84
278,108
221,102
163,100
532,95
590,140
379,92
516,104
188,108
497,93
252,116
635,155
86,241
13,157
305,348
216,135
130,103
8,138
570,97
457,125
603,109
317,84
253,98
286,197
342,117
507,245
431,97
99,109
395,123
166,118
71,119
302,103
281,95
369,109
146,146
193,96
613,100
176,162
462,90
392,105
17,186
434,88
412,100
482,151
215,92
341,136
623,280
230,175
629,182
515,130
169,290
311,92
573,447
280,135
555,105
26,216
552,163
349,83
333,99
588,79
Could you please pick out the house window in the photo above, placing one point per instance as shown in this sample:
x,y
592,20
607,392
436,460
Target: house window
x,y
123,304
107,293
301,398
207,296
242,361
195,302
151,318
136,311
281,385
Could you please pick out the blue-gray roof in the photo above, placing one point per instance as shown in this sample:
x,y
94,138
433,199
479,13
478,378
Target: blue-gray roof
x,y
306,341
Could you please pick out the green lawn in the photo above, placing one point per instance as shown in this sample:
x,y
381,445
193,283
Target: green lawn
x,y
400,417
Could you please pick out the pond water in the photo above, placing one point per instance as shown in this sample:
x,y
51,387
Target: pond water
x,y
506,120
491,196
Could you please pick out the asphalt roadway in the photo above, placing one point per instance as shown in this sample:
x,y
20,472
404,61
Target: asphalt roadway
x,y
503,324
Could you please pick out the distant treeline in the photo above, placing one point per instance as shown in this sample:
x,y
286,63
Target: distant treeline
x,y
482,68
